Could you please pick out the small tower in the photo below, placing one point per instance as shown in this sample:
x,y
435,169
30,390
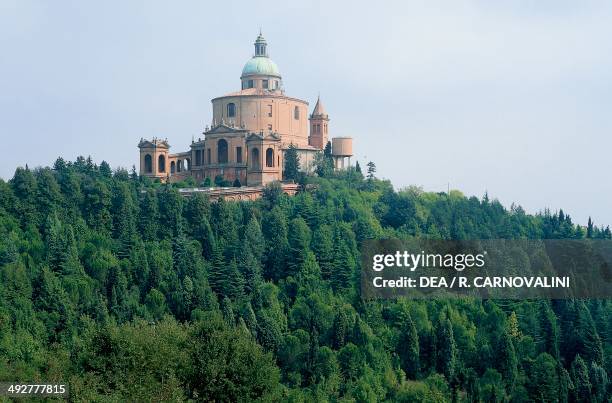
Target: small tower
x,y
154,158
342,148
260,46
318,126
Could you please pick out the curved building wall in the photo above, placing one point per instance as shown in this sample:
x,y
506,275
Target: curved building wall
x,y
257,113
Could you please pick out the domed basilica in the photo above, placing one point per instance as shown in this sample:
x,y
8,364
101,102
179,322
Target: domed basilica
x,y
249,133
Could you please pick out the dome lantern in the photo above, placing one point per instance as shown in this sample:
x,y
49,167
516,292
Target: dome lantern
x,y
260,71
260,46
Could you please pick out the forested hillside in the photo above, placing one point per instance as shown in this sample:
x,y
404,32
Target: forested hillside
x,y
130,292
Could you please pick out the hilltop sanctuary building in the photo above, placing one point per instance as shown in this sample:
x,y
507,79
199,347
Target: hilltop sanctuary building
x,y
250,131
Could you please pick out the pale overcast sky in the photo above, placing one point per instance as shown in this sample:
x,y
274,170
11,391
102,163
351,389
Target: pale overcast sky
x,y
512,97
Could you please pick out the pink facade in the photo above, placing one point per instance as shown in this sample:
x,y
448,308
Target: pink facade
x,y
250,130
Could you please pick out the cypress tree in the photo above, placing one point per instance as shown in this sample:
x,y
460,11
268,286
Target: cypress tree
x,y
250,319
292,163
217,273
340,329
408,348
507,361
446,348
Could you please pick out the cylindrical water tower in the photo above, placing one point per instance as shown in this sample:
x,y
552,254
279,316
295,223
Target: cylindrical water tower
x,y
342,148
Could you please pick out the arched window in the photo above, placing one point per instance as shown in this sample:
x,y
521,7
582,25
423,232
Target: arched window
x,y
161,163
188,164
269,157
179,165
222,152
296,113
148,163
254,158
231,110
172,167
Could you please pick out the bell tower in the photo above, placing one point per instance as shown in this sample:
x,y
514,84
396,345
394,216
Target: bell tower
x,y
319,121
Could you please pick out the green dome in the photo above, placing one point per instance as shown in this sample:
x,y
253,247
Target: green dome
x,y
260,65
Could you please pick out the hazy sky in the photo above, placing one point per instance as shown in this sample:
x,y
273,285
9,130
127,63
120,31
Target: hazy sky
x,y
512,97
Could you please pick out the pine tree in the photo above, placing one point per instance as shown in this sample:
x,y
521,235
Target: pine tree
x,y
358,167
180,255
371,170
513,326
343,266
277,245
105,170
323,247
124,219
250,270
228,312
599,382
204,234
587,341
580,377
225,228
543,380
253,239
299,241
149,216
23,185
170,211
55,242
48,196
549,329
309,274
197,208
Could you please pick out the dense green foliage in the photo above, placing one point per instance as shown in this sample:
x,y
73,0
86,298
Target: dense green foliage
x,y
131,292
